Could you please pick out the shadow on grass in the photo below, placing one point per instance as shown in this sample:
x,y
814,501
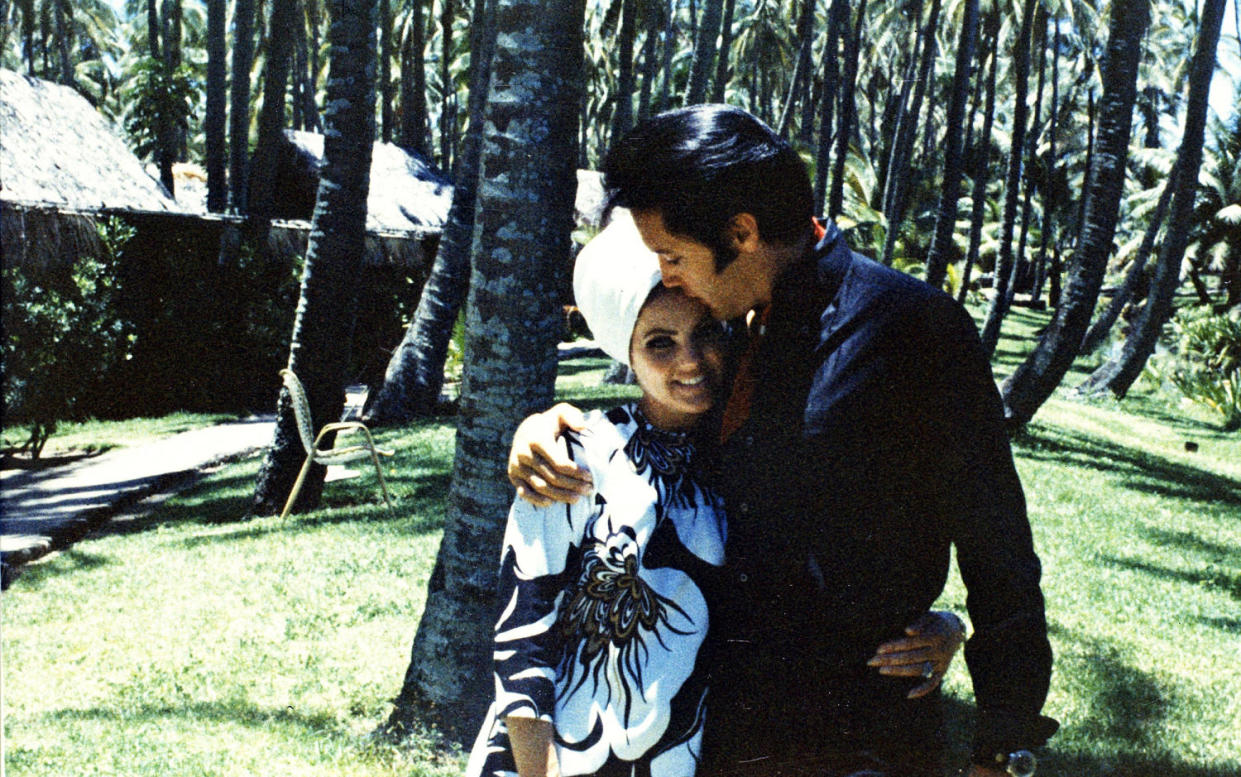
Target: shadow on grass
x,y
239,711
1120,738
1139,471
1209,577
33,576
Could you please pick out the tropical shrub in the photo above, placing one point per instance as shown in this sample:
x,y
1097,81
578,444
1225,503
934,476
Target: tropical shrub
x,y
62,335
1205,363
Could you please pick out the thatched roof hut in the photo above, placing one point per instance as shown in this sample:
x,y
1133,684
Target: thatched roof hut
x,y
55,148
61,163
406,193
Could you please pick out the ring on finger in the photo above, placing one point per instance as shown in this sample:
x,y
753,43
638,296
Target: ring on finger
x,y
928,670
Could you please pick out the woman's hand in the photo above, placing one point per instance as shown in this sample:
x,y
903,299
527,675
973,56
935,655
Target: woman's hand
x,y
538,467
926,651
533,750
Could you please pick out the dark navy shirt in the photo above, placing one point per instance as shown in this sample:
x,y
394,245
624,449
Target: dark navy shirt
x,y
875,441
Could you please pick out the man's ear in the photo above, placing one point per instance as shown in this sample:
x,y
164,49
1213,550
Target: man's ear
x,y
743,229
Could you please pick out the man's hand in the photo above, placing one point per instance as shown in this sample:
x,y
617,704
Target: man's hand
x,y
540,468
930,643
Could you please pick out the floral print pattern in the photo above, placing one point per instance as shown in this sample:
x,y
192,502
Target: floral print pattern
x,y
603,616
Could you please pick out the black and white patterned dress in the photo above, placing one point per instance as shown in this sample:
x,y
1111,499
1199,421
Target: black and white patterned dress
x,y
602,614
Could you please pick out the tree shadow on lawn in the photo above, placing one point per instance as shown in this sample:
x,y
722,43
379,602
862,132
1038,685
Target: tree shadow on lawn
x,y
239,711
32,576
1138,470
1128,708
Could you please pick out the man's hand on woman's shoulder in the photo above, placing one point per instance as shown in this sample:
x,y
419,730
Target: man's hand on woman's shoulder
x,y
539,467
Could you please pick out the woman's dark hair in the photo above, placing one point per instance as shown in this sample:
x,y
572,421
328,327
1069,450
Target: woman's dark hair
x,y
700,166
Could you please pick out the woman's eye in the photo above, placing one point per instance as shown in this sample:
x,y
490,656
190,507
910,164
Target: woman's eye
x,y
659,343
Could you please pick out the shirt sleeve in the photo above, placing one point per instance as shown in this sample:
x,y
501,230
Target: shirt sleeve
x,y
539,543
1009,655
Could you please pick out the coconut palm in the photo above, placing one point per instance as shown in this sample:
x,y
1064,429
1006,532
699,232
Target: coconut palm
x,y
1035,379
525,210
1118,374
319,350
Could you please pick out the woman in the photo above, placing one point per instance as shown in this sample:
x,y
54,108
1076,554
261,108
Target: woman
x,y
598,654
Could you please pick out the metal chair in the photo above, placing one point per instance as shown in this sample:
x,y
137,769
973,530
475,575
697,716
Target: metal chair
x,y
301,410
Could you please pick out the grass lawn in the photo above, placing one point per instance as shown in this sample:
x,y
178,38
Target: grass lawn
x,y
190,642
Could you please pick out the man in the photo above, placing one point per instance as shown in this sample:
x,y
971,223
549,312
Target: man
x,y
863,437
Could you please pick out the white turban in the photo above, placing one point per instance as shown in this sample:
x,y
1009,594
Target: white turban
x,y
614,275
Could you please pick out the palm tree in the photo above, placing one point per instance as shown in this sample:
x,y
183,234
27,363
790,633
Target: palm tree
x,y
239,106
386,92
623,117
946,215
1035,379
722,69
319,351
848,108
704,51
217,96
262,187
837,17
525,210
897,189
414,83
448,95
415,372
1012,181
1119,373
1218,215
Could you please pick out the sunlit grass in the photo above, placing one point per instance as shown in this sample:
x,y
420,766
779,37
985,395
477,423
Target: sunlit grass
x,y
195,641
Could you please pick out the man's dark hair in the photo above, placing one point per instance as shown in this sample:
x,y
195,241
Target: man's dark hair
x,y
700,166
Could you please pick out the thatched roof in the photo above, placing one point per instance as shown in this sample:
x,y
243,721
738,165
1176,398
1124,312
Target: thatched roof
x,y
56,149
406,193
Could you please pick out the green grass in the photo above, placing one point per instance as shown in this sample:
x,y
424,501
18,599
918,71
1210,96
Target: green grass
x,y
94,436
191,643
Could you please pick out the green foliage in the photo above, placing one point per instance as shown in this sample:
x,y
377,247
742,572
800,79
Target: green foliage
x,y
154,94
62,335
1205,364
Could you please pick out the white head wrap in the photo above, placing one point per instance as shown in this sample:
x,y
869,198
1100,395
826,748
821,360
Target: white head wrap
x,y
614,275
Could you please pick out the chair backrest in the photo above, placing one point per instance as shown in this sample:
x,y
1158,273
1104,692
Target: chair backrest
x,y
301,409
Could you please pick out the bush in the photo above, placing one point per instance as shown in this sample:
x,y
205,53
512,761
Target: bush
x,y
1205,365
62,336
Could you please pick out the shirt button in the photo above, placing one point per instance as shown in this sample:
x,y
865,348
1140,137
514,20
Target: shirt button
x,y
743,577
744,507
749,441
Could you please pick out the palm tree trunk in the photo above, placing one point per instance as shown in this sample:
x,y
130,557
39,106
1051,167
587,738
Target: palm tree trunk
x,y
1119,373
64,39
262,190
217,96
831,96
670,42
239,108
650,65
448,94
723,72
1136,274
982,159
414,84
386,92
1021,266
1012,182
946,214
415,373
704,51
1049,220
848,108
312,91
902,150
319,350
526,210
623,118
1036,378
